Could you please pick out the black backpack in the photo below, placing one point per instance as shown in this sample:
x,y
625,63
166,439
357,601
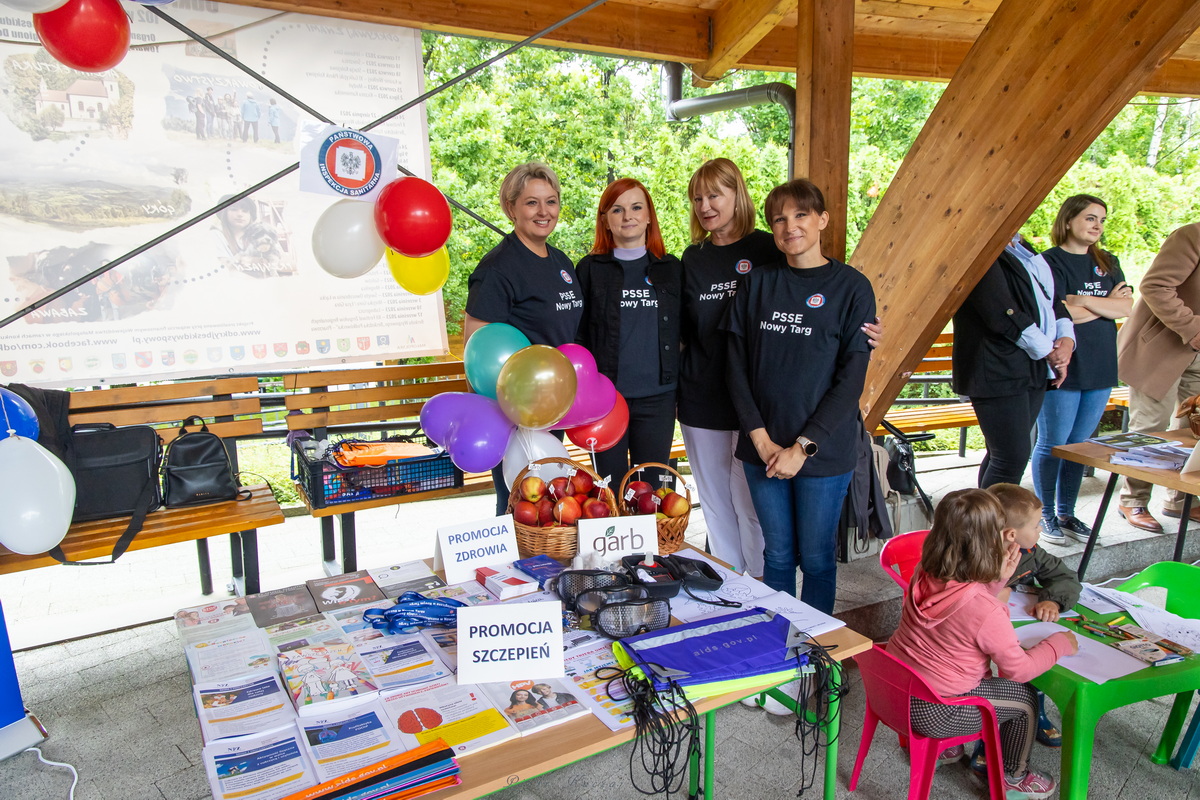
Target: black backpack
x,y
197,469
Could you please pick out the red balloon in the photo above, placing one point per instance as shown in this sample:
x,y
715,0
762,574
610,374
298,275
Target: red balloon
x,y
87,35
604,433
413,217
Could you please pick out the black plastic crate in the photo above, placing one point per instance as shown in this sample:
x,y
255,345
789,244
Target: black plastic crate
x,y
326,483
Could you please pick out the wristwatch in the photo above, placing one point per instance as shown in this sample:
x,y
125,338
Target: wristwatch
x,y
807,445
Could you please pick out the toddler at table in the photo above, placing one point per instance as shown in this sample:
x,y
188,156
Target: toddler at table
x,y
953,626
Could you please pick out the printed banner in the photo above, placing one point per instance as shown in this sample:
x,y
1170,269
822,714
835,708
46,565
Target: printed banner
x,y
346,163
98,164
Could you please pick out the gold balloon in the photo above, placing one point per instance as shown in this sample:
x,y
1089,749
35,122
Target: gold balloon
x,y
420,276
536,386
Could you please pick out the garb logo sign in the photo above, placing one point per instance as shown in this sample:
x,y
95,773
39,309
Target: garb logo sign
x,y
349,163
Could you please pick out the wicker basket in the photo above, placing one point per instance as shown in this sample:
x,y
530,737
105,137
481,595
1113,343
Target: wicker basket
x,y
671,529
556,541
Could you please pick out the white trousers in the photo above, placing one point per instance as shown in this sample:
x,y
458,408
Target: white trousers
x,y
734,535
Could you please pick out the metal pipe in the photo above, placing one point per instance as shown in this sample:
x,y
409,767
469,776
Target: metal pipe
x,y
679,108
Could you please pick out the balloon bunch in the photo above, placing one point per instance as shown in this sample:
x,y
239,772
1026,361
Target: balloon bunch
x,y
409,223
37,492
87,35
533,388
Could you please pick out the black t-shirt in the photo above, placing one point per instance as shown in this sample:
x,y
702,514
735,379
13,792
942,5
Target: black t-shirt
x,y
711,274
1094,362
538,296
637,369
798,331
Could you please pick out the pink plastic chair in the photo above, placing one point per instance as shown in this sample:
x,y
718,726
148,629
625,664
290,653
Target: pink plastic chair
x,y
890,684
900,556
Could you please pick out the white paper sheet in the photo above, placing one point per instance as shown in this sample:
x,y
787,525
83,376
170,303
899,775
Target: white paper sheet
x,y
1091,597
1171,626
1095,661
803,616
1020,607
738,588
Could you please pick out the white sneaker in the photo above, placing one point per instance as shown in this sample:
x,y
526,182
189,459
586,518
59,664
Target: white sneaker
x,y
751,701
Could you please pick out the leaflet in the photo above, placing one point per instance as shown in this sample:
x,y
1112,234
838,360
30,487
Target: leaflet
x,y
461,715
261,766
348,737
616,709
224,657
402,660
534,704
236,708
305,632
321,674
737,588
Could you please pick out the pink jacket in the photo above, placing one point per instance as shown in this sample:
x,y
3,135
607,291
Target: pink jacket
x,y
950,631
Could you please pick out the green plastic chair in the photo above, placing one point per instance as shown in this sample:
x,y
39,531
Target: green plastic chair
x,y
1082,703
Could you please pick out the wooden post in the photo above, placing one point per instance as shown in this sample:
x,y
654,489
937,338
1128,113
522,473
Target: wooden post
x,y
1041,82
824,57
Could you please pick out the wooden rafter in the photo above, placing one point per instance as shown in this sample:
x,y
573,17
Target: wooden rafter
x,y
1003,134
737,26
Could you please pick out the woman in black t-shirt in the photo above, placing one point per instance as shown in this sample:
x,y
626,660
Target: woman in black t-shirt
x,y
1091,284
523,281
797,361
630,287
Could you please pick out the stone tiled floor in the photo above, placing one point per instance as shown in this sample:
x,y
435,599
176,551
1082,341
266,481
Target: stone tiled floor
x,y
118,706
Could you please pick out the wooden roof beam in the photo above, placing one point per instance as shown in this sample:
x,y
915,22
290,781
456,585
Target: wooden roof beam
x,y
737,26
1003,134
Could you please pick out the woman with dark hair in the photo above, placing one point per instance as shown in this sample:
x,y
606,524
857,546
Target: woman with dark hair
x,y
1012,339
1091,284
797,361
521,703
631,289
230,227
523,281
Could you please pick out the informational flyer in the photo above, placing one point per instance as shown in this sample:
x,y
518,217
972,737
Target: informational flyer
x,y
223,656
248,705
593,669
98,164
348,737
402,660
261,766
461,715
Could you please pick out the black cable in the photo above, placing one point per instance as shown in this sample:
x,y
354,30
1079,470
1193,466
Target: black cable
x,y
666,727
820,690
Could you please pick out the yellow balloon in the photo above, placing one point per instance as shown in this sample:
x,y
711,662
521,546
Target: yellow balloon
x,y
536,386
423,275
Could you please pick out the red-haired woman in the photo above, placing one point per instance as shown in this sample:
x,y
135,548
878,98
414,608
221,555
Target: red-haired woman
x,y
631,290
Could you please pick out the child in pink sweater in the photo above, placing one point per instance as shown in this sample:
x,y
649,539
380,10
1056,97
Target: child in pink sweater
x,y
953,627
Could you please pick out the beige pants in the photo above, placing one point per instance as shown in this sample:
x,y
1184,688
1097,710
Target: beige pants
x,y
1148,413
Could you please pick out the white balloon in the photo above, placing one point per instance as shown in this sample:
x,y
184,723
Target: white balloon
x,y
345,240
37,497
34,6
528,445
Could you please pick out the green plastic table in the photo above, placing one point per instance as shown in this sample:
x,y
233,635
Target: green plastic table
x,y
1082,703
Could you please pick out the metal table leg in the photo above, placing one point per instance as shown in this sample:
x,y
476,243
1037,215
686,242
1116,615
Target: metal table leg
x,y
1091,542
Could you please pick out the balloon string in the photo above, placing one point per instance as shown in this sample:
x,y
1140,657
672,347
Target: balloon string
x,y
7,423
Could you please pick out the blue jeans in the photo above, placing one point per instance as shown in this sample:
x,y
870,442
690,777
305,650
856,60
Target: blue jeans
x,y
1068,416
799,520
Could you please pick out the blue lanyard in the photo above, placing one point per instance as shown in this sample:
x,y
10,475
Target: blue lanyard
x,y
414,611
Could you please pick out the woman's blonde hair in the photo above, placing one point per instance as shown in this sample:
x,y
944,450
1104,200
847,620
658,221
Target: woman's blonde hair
x,y
714,174
515,181
965,543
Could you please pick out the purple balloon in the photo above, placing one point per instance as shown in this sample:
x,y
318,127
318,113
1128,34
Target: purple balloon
x,y
478,438
595,394
442,412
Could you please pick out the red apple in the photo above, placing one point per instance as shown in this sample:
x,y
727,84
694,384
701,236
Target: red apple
x,y
596,509
525,513
533,488
567,511
581,498
638,488
675,505
582,482
647,504
558,489
545,510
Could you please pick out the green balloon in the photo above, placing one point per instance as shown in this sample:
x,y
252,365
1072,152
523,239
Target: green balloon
x,y
485,354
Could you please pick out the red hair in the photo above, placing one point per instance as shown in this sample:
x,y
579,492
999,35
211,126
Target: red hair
x,y
604,239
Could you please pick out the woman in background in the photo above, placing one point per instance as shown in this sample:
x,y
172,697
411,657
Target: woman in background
x,y
1091,284
631,288
523,281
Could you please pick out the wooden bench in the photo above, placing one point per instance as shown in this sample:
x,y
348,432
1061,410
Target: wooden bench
x,y
164,407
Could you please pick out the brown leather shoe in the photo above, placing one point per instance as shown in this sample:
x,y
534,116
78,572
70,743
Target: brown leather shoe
x,y
1193,515
1139,517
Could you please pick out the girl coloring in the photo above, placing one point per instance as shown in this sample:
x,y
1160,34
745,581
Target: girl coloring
x,y
952,627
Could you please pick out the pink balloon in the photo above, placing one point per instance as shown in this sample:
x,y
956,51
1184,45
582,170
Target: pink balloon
x,y
595,394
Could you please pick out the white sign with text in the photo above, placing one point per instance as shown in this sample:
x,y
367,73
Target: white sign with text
x,y
482,543
510,641
613,537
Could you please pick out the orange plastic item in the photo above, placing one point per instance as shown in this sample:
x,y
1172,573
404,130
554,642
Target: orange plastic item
x,y
376,454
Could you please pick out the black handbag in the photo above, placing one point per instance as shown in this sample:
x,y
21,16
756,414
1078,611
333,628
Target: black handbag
x,y
116,475
902,467
197,468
